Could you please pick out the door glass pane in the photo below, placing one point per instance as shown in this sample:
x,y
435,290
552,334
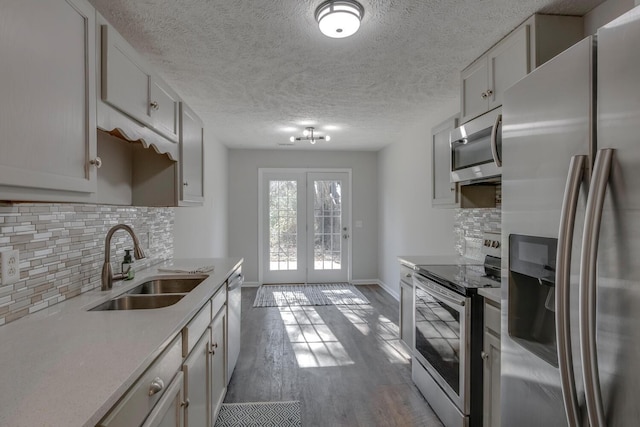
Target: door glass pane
x,y
283,225
327,218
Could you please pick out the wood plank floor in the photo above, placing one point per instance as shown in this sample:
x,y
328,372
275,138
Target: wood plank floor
x,y
345,364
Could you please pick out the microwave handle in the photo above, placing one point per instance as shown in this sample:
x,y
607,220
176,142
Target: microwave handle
x,y
494,141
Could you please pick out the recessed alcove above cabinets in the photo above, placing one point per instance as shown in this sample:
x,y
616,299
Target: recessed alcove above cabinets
x,y
150,142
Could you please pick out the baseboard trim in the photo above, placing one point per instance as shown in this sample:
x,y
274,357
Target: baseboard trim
x,y
378,282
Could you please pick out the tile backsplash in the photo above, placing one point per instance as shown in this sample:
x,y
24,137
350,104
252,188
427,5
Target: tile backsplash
x,y
469,226
62,249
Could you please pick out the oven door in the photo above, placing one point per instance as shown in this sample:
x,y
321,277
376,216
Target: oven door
x,y
442,340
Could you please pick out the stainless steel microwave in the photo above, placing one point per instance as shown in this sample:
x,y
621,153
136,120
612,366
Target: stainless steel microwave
x,y
476,147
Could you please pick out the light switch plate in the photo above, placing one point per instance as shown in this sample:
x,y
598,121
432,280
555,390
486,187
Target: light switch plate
x,y
10,266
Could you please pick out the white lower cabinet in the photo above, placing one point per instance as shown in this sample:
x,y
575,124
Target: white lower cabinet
x,y
197,383
218,360
169,412
491,356
144,396
406,305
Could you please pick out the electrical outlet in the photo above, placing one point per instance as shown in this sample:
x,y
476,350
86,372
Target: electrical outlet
x,y
10,266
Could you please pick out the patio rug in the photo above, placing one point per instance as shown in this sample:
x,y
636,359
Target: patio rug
x,y
312,294
260,414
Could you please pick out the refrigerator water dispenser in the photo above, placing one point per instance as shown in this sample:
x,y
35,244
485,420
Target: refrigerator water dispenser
x,y
531,315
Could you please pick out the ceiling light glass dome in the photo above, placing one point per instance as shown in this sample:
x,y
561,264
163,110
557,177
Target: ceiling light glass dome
x,y
339,18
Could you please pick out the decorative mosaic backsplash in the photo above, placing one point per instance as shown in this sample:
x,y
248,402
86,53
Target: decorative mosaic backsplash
x,y
470,224
62,249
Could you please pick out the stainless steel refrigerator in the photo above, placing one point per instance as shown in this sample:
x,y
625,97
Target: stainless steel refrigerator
x,y
571,236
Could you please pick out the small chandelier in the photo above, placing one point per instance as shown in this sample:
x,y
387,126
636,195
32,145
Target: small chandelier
x,y
339,18
308,135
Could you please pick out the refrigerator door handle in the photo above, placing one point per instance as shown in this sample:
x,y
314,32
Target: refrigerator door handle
x,y
563,285
494,141
588,288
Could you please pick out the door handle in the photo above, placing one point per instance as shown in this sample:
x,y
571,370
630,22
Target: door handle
x,y
588,288
494,141
563,282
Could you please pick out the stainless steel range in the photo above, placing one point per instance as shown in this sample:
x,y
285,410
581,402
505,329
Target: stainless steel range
x,y
448,334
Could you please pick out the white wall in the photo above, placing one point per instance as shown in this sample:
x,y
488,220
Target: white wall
x,y
202,231
243,201
408,223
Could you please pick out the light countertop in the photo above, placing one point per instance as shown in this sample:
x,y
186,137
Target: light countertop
x,y
492,294
413,260
66,366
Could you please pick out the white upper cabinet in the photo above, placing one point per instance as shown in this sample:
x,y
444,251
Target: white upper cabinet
x,y
129,85
534,42
191,157
47,107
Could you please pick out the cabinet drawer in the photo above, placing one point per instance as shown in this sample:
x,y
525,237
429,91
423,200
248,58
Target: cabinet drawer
x,y
137,402
195,328
218,300
406,273
492,318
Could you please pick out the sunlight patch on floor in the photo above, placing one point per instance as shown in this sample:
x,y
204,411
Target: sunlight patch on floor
x,y
313,342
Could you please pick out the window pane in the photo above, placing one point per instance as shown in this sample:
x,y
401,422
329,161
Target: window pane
x,y
283,225
327,208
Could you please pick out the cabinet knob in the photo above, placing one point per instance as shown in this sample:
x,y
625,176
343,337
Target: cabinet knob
x,y
407,275
484,95
154,105
214,345
185,404
489,92
186,184
484,355
156,385
97,162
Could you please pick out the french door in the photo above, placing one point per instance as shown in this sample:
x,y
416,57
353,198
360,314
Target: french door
x,y
305,229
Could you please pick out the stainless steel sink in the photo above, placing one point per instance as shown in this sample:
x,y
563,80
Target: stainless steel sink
x,y
139,302
167,286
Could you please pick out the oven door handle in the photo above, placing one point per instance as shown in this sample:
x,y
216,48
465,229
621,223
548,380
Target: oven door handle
x,y
460,302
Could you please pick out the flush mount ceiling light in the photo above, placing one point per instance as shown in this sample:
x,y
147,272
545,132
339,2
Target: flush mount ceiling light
x,y
339,18
308,135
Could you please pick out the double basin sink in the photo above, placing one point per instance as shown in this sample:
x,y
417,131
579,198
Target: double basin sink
x,y
154,293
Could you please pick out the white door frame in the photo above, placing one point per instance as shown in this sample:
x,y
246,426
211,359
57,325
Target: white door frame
x,y
261,225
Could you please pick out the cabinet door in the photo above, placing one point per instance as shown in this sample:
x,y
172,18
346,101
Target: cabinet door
x,y
169,412
163,104
197,377
218,361
509,61
125,79
443,191
473,88
191,157
491,398
48,108
406,313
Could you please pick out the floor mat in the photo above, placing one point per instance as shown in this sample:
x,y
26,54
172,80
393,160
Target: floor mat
x,y
259,414
312,294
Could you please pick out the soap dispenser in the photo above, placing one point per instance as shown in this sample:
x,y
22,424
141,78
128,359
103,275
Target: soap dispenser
x,y
127,265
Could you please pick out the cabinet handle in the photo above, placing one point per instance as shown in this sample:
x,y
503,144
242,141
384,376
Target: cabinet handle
x,y
156,385
154,105
185,404
97,162
484,95
484,355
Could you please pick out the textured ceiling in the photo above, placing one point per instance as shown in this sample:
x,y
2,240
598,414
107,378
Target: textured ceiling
x,y
258,71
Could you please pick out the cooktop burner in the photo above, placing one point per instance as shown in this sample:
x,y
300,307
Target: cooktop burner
x,y
465,278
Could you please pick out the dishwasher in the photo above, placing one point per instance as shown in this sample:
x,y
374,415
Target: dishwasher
x,y
234,307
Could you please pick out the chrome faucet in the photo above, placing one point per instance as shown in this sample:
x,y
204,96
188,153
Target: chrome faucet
x,y
107,274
